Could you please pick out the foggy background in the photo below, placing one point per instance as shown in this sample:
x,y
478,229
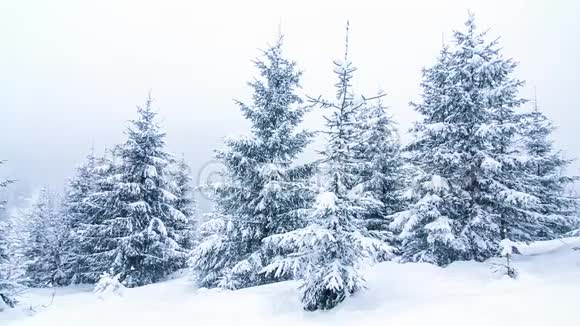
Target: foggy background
x,y
72,72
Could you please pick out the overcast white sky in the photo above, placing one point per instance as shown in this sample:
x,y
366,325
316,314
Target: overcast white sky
x,y
71,72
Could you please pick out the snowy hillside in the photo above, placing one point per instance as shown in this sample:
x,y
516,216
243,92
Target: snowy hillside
x,y
465,293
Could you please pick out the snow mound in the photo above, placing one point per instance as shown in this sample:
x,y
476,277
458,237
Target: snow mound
x,y
109,286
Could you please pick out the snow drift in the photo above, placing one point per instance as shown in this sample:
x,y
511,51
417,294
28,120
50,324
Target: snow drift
x,y
547,292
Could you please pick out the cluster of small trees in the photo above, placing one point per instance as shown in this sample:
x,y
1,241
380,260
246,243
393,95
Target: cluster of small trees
x,y
477,174
129,214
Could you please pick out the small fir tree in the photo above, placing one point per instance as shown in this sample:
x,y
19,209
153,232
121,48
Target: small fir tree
x,y
47,248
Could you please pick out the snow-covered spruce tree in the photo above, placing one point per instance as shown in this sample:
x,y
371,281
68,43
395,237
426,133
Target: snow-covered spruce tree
x,y
382,167
134,224
7,285
264,190
15,237
504,201
77,212
185,202
327,255
91,253
427,229
546,170
48,242
471,189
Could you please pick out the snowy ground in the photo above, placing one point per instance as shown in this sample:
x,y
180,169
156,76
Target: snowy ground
x,y
466,293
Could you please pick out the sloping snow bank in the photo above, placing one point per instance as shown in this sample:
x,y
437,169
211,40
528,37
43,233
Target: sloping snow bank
x,y
465,293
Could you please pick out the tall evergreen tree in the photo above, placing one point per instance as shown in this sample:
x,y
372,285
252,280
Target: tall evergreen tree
x,y
328,253
264,190
547,171
7,285
133,230
427,230
47,245
472,189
